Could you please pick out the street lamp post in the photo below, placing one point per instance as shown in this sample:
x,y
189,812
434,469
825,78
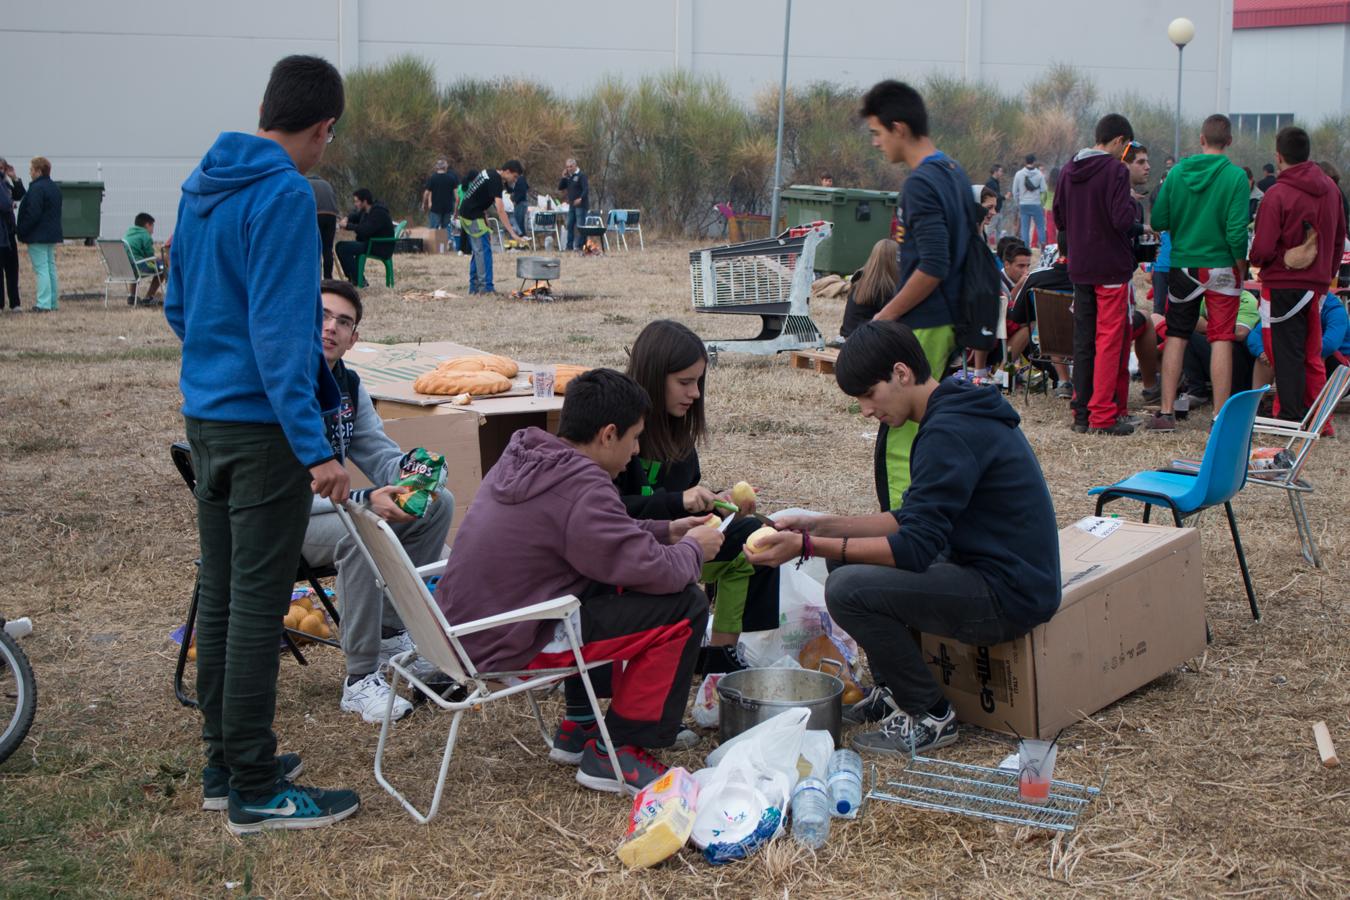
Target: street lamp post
x,y
1180,32
782,101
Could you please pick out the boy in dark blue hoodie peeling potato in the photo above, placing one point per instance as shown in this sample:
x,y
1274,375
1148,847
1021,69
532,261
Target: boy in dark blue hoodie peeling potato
x,y
243,297
972,553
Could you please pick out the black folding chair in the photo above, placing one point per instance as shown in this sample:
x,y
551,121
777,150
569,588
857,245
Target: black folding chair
x,y
181,454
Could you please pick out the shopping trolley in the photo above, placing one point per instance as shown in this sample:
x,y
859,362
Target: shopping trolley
x,y
770,278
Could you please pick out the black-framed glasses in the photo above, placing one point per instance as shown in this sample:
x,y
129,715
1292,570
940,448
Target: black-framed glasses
x,y
344,323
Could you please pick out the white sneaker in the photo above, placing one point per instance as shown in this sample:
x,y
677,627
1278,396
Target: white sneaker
x,y
370,697
393,646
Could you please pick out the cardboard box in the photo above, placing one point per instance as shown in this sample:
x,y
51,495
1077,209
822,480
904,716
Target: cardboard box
x,y
451,433
1133,609
432,238
389,370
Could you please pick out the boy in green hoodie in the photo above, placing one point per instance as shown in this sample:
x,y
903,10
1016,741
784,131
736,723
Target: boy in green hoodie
x,y
1203,204
140,240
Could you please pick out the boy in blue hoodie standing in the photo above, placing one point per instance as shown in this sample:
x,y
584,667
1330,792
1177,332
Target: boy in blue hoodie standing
x,y
243,297
958,559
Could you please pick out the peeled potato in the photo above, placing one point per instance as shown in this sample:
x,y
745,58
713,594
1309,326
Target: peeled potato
x,y
742,494
752,542
713,520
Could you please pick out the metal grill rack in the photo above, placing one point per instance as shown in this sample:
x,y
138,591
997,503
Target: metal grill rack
x,y
983,793
769,278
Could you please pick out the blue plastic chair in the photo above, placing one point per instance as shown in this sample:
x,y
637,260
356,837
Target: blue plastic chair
x,y
1223,472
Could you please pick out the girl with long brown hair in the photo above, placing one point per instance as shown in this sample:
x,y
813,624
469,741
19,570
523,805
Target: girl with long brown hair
x,y
873,285
664,482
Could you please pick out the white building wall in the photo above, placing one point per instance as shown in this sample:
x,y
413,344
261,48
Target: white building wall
x,y
134,93
1292,70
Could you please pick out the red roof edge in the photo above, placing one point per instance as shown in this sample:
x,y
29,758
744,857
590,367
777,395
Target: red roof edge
x,y
1289,13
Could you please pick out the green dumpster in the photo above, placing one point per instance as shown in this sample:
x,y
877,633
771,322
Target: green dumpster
x,y
81,208
860,219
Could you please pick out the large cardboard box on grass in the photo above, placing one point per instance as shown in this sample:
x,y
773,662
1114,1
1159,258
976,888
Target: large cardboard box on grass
x,y
432,238
451,433
1133,609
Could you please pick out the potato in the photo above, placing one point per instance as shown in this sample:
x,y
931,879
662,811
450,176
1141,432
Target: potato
x,y
313,624
752,542
713,520
742,494
192,653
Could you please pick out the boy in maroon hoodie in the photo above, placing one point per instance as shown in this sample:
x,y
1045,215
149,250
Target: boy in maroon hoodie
x,y
1094,211
548,521
1303,202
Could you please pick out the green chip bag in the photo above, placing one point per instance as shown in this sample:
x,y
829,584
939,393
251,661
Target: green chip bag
x,y
422,473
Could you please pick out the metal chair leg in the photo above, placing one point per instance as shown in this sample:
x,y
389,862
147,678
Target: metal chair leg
x,y
1307,545
1242,562
181,665
1148,511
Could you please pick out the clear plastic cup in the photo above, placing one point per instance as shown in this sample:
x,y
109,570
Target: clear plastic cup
x,y
1036,768
543,382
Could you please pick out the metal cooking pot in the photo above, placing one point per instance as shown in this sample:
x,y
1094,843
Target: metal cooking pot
x,y
751,696
539,268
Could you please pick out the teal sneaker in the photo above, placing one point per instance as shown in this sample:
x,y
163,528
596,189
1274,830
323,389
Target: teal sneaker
x,y
291,806
216,781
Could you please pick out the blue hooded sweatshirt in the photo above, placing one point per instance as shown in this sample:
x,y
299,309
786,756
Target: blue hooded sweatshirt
x,y
978,497
243,295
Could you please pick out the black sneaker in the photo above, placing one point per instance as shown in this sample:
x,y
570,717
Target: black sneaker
x,y
717,660
1153,394
902,734
290,806
639,769
1162,422
1116,429
216,781
873,707
570,740
1079,427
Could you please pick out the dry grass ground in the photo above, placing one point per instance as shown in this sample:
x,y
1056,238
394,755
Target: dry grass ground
x,y
1214,787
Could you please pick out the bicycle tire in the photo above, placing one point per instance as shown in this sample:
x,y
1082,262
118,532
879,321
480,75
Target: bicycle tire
x,y
24,689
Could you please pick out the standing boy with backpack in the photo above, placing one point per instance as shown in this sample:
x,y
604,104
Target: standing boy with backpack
x,y
936,212
1027,187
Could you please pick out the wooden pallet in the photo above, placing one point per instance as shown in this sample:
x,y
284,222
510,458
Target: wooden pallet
x,y
819,361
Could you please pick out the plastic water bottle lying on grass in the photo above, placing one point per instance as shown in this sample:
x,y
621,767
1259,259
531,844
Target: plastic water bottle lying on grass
x,y
811,813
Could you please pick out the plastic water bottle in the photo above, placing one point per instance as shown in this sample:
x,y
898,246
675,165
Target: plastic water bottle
x,y
845,785
811,813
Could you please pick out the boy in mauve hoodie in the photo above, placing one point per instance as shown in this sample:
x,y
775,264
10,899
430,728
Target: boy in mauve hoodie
x,y
1303,201
243,297
548,521
1203,205
1093,209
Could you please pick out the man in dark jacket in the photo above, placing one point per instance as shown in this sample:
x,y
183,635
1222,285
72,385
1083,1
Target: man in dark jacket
x,y
11,192
1302,207
1094,211
547,522
577,188
960,559
39,226
520,204
370,219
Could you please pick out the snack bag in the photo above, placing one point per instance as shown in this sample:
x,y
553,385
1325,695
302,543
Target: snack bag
x,y
421,474
661,821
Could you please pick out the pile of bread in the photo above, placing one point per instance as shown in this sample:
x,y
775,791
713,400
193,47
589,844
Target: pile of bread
x,y
477,376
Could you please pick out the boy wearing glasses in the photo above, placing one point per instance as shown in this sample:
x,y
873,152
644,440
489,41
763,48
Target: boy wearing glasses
x,y
371,630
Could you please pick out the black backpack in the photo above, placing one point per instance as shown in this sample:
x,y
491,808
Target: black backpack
x,y
1029,186
975,317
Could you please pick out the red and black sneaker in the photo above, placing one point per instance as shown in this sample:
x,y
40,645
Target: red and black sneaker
x,y
570,739
639,769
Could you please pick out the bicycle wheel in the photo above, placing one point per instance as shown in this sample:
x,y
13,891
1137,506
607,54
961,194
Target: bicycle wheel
x,y
18,695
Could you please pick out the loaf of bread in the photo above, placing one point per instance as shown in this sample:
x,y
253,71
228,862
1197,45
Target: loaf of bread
x,y
452,382
502,365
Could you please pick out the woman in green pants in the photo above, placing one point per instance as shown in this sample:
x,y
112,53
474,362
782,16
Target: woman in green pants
x,y
663,482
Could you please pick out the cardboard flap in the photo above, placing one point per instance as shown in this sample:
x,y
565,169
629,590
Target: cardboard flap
x,y
1096,548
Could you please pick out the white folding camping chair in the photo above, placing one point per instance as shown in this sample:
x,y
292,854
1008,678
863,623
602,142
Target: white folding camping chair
x,y
438,642
622,222
121,268
1302,438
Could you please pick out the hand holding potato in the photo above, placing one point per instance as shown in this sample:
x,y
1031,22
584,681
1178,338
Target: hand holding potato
x,y
773,548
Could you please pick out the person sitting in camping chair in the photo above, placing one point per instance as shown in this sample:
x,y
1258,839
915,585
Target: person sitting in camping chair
x,y
371,629
548,522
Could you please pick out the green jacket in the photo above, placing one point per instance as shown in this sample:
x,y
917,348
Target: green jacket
x,y
141,243
1203,203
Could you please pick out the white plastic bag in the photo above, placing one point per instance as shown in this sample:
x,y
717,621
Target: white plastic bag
x,y
771,746
707,705
817,746
801,617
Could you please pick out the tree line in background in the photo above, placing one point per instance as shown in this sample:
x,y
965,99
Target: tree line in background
x,y
676,144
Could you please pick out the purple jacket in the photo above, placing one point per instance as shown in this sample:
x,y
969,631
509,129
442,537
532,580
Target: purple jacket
x,y
1095,213
548,521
